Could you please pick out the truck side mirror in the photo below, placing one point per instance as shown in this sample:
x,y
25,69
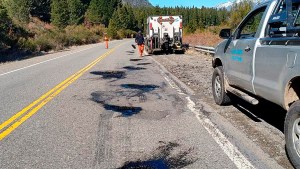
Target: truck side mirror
x,y
225,33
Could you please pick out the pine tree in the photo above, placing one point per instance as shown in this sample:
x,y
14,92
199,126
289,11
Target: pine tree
x,y
109,9
59,13
19,10
5,23
126,17
10,33
140,16
122,19
114,25
86,2
193,21
41,9
132,20
101,11
94,12
239,11
76,12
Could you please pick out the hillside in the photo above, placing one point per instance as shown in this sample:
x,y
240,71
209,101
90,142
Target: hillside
x,y
137,3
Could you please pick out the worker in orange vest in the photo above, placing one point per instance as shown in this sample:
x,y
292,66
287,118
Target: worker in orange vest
x,y
139,40
106,41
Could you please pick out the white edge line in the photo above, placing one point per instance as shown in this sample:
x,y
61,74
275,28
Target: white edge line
x,y
45,61
240,161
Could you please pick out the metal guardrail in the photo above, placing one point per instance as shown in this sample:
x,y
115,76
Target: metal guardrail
x,y
205,49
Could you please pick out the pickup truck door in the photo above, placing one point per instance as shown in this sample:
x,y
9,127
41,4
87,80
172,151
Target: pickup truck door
x,y
276,58
239,55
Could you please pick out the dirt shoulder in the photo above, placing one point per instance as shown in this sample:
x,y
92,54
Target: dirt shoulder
x,y
263,124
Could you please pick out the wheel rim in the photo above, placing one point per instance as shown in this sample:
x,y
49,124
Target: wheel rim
x,y
296,136
218,86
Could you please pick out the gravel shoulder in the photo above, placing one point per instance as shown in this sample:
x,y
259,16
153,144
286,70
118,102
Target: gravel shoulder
x,y
263,123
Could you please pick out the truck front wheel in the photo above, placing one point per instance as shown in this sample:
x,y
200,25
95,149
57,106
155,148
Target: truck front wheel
x,y
218,87
292,133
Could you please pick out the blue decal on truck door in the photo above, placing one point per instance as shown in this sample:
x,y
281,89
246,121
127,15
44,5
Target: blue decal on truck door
x,y
237,58
237,55
236,51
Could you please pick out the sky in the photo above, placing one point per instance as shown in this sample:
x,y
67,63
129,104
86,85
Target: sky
x,y
188,3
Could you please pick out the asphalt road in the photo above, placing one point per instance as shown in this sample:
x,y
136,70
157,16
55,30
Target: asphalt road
x,y
91,107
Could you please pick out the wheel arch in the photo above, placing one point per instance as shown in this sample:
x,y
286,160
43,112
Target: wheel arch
x,y
216,62
292,92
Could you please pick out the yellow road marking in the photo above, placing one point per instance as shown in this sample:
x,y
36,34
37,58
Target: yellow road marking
x,y
44,99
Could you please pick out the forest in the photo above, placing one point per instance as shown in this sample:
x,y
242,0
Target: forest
x,y
44,25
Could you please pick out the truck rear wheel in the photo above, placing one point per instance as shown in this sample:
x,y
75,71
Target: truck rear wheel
x,y
148,50
218,87
292,133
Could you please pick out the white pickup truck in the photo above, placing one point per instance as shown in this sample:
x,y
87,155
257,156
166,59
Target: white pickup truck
x,y
260,60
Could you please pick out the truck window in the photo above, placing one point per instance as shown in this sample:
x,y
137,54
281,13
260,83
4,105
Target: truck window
x,y
279,29
250,25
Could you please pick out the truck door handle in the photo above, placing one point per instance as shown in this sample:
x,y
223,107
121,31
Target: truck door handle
x,y
247,49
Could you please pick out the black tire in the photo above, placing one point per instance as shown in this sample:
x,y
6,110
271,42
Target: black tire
x,y
150,52
292,122
147,48
218,87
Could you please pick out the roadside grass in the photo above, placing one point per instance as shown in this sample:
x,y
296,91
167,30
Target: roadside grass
x,y
57,39
208,37
202,38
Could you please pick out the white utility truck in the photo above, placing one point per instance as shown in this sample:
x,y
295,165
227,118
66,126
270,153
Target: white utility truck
x,y
164,33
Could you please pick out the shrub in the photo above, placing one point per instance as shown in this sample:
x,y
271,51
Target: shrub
x,y
125,33
27,44
43,43
51,40
98,29
79,35
205,38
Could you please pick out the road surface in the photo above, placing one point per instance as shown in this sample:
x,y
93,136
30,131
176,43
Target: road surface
x,y
92,107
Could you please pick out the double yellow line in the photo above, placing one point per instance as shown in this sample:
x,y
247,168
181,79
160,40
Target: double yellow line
x,y
15,121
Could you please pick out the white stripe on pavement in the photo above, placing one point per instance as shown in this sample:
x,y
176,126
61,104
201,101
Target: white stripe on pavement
x,y
44,61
